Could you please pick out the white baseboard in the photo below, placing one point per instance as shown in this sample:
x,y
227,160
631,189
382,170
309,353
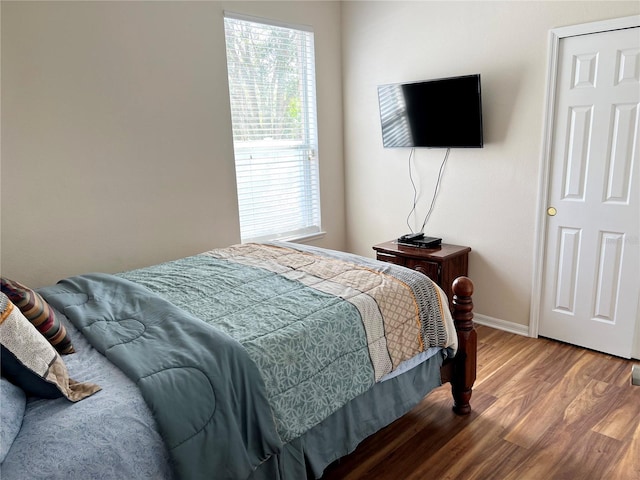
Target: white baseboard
x,y
501,324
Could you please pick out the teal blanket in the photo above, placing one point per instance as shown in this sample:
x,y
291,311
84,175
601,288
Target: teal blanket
x,y
309,346
240,351
321,330
204,390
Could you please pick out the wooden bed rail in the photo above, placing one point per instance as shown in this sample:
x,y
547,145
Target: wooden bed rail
x,y
462,370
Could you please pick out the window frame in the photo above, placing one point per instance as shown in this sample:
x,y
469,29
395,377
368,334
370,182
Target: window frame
x,y
305,148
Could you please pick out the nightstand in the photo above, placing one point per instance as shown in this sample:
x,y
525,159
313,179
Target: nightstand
x,y
442,265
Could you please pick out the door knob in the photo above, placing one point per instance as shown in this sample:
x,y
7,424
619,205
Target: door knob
x,y
551,211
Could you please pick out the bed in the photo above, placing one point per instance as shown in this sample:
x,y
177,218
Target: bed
x,y
256,361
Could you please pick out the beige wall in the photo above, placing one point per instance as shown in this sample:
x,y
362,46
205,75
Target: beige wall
x,y
488,197
116,136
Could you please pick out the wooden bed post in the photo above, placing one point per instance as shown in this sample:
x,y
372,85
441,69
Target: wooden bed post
x,y
464,363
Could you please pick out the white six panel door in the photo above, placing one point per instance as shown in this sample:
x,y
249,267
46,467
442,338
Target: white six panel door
x,y
591,279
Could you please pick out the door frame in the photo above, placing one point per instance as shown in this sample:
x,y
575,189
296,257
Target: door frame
x,y
540,232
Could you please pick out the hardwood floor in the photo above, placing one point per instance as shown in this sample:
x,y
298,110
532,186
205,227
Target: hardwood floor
x,y
541,410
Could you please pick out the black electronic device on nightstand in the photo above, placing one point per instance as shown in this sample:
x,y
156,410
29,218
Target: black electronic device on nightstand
x,y
419,240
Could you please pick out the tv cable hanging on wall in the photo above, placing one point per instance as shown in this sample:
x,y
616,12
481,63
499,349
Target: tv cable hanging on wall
x,y
419,237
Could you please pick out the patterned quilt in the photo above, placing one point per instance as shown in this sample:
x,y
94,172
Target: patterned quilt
x,y
321,329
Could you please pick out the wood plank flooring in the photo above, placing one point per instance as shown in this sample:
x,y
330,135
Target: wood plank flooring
x,y
541,410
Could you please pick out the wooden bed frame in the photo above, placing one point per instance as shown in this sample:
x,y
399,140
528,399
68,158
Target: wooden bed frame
x,y
460,370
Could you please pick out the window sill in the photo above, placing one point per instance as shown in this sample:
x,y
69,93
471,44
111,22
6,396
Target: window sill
x,y
295,239
306,238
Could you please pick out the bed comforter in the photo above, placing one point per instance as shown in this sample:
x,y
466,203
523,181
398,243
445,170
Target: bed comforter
x,y
241,350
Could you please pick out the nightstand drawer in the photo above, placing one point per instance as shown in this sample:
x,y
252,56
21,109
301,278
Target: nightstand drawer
x,y
442,264
430,269
390,258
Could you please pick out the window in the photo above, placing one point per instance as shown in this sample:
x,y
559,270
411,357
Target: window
x,y
273,111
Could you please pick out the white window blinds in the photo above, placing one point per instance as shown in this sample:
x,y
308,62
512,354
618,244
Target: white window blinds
x,y
273,109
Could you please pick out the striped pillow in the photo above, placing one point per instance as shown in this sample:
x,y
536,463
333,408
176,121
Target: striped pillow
x,y
39,313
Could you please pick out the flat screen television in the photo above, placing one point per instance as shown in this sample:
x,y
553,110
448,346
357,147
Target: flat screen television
x,y
440,113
